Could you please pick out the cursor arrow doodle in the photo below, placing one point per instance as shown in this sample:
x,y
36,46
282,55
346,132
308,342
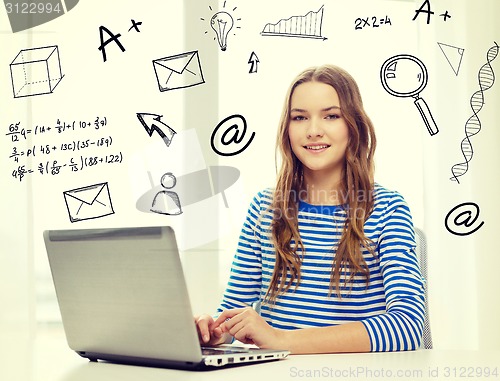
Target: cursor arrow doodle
x,y
152,123
253,61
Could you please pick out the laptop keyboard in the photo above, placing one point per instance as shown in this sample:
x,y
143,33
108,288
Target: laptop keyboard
x,y
205,351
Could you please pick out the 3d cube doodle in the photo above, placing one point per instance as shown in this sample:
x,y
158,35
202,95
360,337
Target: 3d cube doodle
x,y
36,71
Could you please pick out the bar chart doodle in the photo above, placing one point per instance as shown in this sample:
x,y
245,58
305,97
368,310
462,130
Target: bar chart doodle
x,y
453,55
486,78
307,26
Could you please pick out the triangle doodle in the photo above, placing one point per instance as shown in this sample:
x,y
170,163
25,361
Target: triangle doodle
x,y
453,55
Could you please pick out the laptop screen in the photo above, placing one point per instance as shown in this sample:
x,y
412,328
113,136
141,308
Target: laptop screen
x,y
122,291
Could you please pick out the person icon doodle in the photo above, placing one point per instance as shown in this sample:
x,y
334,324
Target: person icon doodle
x,y
166,201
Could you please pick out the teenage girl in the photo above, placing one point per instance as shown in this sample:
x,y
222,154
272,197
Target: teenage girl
x,y
328,254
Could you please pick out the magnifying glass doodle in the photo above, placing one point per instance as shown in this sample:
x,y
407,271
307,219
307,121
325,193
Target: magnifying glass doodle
x,y
406,76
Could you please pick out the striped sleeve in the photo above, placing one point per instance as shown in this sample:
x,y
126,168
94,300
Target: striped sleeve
x,y
401,327
245,278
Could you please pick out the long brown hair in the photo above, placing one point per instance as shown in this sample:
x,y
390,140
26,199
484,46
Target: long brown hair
x,y
357,179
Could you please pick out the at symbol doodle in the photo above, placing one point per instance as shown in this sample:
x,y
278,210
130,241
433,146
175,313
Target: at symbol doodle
x,y
231,134
461,219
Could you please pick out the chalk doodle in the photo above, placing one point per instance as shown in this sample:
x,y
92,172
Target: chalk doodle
x,y
152,123
253,61
426,8
461,219
73,145
194,187
373,22
178,71
453,55
406,76
114,38
166,201
486,79
88,202
222,24
307,26
94,149
231,135
36,71
445,16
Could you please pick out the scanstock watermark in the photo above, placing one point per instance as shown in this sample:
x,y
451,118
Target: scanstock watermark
x,y
356,372
366,372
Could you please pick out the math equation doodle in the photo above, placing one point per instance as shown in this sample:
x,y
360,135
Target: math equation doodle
x,y
74,145
373,22
486,78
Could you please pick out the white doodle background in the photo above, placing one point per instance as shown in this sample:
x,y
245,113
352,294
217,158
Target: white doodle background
x,y
462,279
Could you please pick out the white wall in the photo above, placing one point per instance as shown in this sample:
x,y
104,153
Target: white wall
x,y
408,159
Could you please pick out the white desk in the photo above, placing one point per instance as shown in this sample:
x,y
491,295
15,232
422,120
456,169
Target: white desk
x,y
47,358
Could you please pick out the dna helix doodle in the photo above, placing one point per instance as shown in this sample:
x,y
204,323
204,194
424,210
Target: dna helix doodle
x,y
486,78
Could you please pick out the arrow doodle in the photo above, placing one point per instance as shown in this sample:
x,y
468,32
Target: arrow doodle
x,y
152,123
253,61
486,79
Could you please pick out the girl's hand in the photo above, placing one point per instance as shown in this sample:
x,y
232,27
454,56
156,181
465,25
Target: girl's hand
x,y
207,333
247,326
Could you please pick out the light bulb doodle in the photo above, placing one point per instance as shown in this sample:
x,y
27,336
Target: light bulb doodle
x,y
486,78
461,219
406,76
222,23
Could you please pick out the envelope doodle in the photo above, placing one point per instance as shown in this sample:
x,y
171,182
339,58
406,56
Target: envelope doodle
x,y
89,202
179,71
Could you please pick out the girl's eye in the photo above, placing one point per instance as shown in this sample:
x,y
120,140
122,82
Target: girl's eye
x,y
333,116
298,117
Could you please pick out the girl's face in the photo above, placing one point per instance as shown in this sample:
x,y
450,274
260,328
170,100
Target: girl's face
x,y
318,133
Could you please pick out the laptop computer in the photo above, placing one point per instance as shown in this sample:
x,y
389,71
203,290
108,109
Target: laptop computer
x,y
123,298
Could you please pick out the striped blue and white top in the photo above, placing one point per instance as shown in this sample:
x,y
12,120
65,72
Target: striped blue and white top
x,y
391,306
